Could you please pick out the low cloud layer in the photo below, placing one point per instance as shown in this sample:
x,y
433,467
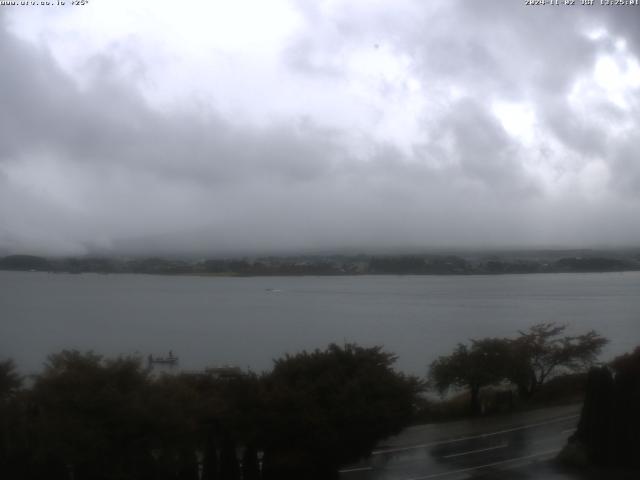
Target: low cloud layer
x,y
350,125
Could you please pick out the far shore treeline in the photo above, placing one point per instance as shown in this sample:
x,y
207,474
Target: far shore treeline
x,y
578,261
89,417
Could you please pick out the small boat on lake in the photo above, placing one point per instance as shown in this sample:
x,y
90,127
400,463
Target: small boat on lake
x,y
171,360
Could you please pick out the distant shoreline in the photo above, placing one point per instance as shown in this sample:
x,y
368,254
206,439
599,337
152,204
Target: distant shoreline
x,y
333,265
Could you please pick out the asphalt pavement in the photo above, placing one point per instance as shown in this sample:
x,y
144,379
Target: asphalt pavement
x,y
505,446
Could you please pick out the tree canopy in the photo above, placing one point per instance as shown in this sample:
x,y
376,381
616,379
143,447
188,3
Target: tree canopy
x,y
480,364
10,381
89,417
349,398
543,351
526,361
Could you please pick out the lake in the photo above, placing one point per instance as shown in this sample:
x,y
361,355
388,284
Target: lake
x,y
250,321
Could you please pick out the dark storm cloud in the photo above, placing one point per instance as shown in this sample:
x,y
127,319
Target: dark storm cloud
x,y
44,109
626,23
87,162
482,150
499,49
627,167
241,174
554,52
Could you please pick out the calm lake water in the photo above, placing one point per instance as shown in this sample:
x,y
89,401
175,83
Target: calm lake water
x,y
250,321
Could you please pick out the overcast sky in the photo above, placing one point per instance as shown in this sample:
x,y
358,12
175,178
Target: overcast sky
x,y
217,126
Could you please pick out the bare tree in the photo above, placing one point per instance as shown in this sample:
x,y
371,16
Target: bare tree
x,y
542,352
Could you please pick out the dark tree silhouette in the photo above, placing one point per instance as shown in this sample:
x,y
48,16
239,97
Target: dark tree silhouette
x,y
10,381
329,407
608,432
542,351
527,361
89,418
10,419
482,363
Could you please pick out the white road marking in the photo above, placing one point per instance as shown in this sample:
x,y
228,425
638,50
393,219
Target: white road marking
x,y
568,430
356,469
484,435
453,455
494,464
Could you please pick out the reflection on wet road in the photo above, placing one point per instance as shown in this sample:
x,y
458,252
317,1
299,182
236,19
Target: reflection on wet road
x,y
470,448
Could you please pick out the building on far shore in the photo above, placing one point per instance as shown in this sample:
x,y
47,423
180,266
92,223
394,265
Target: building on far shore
x,y
160,365
171,364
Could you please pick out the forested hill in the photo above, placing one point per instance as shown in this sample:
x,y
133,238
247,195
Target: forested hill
x,y
430,264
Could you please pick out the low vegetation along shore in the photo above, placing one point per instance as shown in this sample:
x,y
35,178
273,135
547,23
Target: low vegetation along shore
x,y
461,264
89,417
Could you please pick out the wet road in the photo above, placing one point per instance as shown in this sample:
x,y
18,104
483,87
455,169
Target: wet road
x,y
496,447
